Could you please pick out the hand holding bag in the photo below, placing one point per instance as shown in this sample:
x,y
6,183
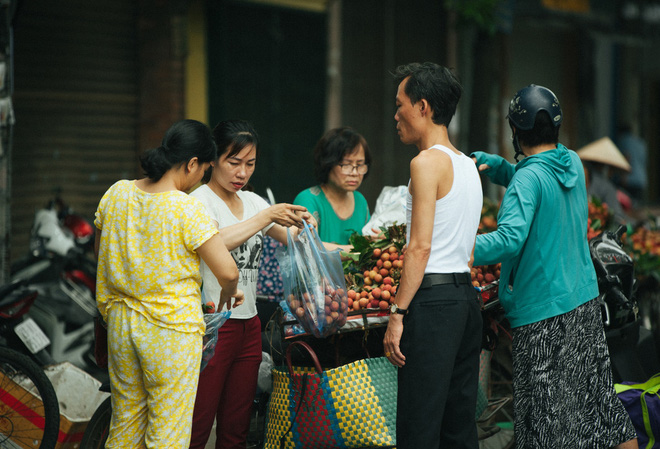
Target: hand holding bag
x,y
214,322
352,406
314,283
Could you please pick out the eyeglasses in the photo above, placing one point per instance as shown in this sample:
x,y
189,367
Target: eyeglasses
x,y
347,169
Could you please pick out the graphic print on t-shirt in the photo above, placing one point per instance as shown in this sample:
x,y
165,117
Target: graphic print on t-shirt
x,y
248,254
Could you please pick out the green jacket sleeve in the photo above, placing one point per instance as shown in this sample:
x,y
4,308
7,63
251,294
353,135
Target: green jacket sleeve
x,y
513,222
500,172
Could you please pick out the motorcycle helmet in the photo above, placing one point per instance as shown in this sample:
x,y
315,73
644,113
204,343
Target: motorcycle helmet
x,y
526,104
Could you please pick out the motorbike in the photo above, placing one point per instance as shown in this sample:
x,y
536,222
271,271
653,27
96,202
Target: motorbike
x,y
632,348
17,330
61,269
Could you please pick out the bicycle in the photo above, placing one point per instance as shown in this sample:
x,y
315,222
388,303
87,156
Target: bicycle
x,y
29,408
25,419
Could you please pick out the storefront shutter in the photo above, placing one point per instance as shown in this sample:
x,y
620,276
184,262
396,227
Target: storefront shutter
x,y
75,102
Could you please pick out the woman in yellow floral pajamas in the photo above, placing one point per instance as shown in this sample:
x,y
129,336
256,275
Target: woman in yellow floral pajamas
x,y
149,240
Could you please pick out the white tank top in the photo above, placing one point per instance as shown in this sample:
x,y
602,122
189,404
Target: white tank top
x,y
457,217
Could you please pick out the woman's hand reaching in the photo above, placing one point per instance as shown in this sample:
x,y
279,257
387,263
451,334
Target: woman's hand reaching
x,y
309,218
287,215
286,223
481,167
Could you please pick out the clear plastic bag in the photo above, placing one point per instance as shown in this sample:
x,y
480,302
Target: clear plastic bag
x,y
314,284
290,329
213,322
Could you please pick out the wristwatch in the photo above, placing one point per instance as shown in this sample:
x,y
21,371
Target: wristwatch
x,y
395,309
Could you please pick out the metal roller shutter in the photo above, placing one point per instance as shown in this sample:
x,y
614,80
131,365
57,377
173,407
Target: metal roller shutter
x,y
75,103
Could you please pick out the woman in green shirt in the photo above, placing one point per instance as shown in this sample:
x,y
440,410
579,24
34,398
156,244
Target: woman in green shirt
x,y
341,162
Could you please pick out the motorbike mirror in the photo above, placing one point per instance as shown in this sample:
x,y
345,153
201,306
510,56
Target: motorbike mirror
x,y
619,233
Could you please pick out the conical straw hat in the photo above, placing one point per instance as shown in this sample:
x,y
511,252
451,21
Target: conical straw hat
x,y
605,152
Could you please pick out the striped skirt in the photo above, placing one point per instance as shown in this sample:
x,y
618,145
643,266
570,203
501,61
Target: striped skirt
x,y
562,384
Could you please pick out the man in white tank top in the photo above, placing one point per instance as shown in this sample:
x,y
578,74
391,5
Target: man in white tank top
x,y
434,330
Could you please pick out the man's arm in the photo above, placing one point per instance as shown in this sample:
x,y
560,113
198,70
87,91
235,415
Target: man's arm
x,y
423,188
425,176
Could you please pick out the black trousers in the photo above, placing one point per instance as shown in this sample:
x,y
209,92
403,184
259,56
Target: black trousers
x,y
438,385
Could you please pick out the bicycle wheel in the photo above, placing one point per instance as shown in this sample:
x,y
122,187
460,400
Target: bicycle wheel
x,y
24,419
97,430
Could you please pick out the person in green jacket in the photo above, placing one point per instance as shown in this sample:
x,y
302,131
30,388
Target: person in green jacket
x,y
341,163
562,379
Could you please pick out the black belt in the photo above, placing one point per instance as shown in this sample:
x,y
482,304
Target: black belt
x,y
441,278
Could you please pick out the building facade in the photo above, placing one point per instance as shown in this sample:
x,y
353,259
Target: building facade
x,y
92,87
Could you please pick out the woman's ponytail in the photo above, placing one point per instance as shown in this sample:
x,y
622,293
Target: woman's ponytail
x,y
184,140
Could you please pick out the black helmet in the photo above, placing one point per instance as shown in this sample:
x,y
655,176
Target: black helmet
x,y
527,102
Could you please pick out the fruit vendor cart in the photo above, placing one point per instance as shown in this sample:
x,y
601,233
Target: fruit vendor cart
x,y
372,272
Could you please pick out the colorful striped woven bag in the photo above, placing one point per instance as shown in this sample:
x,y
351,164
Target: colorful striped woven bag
x,y
352,406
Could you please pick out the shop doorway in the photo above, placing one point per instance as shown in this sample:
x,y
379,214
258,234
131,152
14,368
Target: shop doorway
x,y
267,65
